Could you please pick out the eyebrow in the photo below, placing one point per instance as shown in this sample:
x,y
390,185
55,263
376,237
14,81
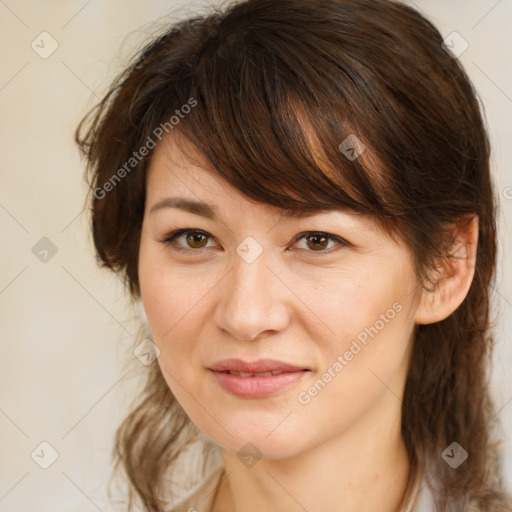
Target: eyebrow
x,y
210,211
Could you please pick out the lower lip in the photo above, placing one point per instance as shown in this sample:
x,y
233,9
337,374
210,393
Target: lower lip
x,y
257,387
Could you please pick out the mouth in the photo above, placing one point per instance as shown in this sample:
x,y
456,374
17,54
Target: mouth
x,y
258,379
255,374
261,366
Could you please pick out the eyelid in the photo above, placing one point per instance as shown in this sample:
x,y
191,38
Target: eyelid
x,y
341,242
168,239
331,237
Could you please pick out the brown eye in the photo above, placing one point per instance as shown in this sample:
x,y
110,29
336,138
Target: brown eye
x,y
187,240
196,240
317,242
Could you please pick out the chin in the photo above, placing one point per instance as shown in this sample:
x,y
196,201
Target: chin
x,y
252,438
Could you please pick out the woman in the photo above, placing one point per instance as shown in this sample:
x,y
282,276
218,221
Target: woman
x,y
298,193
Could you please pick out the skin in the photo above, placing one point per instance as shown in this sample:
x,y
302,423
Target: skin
x,y
296,304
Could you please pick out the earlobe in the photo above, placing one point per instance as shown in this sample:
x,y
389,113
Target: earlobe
x,y
453,276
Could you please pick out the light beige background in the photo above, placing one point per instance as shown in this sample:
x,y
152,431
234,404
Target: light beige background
x,y
66,328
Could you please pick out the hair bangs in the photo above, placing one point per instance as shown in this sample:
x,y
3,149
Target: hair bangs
x,y
260,129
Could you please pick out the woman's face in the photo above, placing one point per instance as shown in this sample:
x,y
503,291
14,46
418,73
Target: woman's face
x,y
331,318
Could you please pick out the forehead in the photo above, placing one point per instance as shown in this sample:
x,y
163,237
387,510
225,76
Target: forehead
x,y
179,176
204,194
185,180
172,172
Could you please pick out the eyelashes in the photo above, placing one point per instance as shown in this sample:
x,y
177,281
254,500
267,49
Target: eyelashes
x,y
170,239
199,240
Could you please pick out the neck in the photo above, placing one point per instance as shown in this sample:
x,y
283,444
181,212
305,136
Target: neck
x,y
364,468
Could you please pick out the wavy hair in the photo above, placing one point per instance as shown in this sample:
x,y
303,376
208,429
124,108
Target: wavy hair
x,y
276,87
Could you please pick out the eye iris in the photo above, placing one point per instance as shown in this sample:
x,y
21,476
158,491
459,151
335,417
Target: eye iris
x,y
196,238
319,242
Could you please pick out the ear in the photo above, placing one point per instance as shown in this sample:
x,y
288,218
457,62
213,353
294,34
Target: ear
x,y
453,276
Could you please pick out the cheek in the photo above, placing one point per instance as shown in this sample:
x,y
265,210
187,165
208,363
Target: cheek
x,y
359,372
344,305
174,299
172,312
361,323
175,322
370,320
171,293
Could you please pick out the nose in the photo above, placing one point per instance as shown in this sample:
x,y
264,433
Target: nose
x,y
254,302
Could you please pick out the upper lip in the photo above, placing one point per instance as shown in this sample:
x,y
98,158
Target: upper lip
x,y
259,366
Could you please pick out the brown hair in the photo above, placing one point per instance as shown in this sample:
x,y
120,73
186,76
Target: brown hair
x,y
275,86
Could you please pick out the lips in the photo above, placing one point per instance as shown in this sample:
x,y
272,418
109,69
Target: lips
x,y
258,379
261,366
254,374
